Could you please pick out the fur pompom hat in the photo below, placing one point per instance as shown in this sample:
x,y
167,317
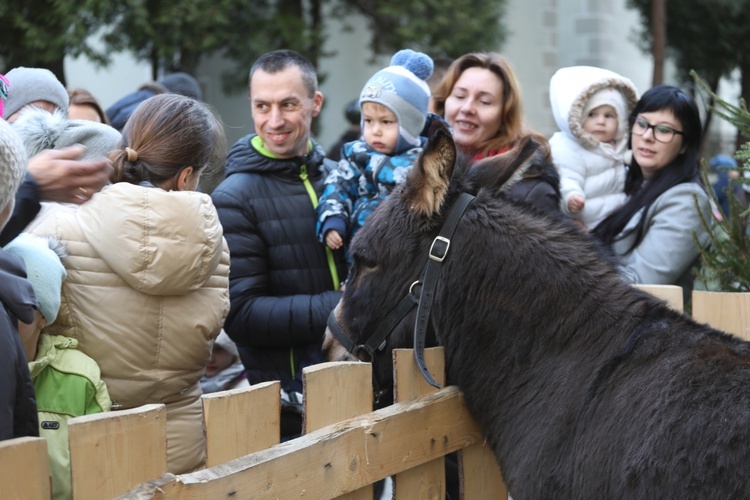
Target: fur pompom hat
x,y
34,84
402,88
44,270
40,130
12,163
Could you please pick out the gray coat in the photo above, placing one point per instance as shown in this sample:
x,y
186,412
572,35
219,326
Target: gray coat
x,y
667,251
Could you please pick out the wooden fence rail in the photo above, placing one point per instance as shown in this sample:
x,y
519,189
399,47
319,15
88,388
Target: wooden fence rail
x,y
346,448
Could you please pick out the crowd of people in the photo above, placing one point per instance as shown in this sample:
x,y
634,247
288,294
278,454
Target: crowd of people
x,y
118,273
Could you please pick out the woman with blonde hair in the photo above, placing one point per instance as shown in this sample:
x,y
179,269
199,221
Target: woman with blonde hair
x,y
481,100
147,288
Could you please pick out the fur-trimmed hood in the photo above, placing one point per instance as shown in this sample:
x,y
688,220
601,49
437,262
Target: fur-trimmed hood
x,y
570,89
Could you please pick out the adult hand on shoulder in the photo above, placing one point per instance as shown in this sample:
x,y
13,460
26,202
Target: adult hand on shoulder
x,y
62,177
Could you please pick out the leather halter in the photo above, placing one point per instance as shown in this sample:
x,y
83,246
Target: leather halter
x,y
436,256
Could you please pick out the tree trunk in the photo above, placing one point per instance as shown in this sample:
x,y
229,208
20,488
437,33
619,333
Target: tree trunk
x,y
745,95
713,84
659,32
154,65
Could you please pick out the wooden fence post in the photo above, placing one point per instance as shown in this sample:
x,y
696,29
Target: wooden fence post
x,y
114,451
24,469
241,421
427,480
726,311
335,392
480,474
671,294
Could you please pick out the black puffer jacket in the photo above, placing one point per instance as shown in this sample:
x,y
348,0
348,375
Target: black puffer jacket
x,y
280,284
18,415
540,186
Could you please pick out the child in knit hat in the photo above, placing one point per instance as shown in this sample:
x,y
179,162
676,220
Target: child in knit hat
x,y
591,107
224,370
67,382
394,113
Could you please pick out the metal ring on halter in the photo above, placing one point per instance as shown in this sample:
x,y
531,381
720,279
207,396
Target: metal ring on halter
x,y
414,296
362,353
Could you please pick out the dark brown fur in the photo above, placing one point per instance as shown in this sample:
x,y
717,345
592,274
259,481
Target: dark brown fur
x,y
585,386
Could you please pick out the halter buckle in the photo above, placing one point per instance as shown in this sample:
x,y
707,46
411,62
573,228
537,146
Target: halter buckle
x,y
439,248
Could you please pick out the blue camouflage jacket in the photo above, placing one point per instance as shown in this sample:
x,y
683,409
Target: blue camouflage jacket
x,y
360,182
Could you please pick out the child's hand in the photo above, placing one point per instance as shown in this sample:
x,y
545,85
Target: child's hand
x,y
334,239
576,203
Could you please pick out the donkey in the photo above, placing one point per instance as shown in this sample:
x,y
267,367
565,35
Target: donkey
x,y
584,386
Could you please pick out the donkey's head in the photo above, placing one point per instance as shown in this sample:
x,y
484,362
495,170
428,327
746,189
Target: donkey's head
x,y
389,253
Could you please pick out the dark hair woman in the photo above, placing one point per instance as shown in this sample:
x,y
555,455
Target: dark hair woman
x,y
652,233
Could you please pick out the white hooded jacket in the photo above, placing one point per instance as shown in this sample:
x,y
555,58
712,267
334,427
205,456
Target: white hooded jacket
x,y
587,167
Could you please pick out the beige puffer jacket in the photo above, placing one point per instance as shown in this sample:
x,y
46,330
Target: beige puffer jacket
x,y
146,294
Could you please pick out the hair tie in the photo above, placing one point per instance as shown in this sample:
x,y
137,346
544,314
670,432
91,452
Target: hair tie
x,y
132,154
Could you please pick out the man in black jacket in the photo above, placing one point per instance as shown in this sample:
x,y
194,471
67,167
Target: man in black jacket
x,y
282,282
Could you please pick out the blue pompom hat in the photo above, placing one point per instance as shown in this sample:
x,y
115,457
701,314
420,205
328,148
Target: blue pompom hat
x,y
402,88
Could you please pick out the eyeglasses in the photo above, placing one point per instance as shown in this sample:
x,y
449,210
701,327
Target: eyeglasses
x,y
662,133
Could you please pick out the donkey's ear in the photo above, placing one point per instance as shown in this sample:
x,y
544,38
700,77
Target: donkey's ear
x,y
499,172
432,172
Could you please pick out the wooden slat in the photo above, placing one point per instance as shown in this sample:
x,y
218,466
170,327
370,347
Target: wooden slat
x,y
24,469
427,480
671,294
480,474
723,310
114,451
391,440
241,421
336,392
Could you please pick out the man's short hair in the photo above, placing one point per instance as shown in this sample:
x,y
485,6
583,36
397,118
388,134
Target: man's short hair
x,y
278,60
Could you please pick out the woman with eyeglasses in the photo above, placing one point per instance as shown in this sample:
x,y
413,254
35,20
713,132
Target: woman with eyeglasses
x,y
652,233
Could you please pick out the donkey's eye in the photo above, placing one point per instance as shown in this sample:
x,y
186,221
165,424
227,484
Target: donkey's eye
x,y
364,262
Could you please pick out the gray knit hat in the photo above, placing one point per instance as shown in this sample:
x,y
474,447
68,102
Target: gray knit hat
x,y
43,269
40,130
28,85
12,163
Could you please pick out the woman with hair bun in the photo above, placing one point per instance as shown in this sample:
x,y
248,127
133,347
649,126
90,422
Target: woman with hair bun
x,y
147,287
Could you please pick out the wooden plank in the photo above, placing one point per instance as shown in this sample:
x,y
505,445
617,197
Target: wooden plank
x,y
723,310
24,469
391,440
114,451
336,392
671,294
480,473
241,421
428,480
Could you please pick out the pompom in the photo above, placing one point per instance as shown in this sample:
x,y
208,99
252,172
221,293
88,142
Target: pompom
x,y
418,63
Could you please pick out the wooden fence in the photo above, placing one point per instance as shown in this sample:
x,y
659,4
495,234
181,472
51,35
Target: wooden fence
x,y
346,447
